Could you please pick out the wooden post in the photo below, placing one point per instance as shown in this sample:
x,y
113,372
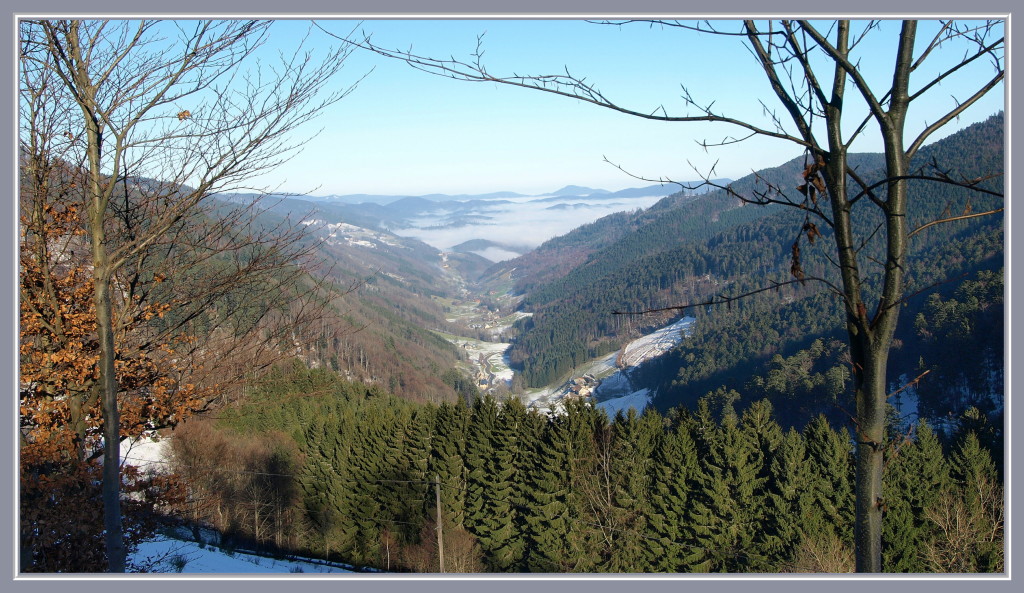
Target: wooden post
x,y
440,536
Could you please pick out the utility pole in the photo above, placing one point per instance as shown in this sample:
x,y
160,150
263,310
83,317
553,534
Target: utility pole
x,y
440,535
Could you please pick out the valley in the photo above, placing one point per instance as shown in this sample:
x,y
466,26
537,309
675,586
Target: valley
x,y
441,264
523,289
760,327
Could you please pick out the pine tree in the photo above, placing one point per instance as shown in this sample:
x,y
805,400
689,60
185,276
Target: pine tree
x,y
916,474
489,491
633,443
831,456
791,509
516,438
673,480
319,480
559,527
414,482
828,528
726,511
447,460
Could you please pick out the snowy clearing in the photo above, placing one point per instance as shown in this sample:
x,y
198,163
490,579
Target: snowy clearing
x,y
638,400
147,453
166,554
655,343
169,555
615,392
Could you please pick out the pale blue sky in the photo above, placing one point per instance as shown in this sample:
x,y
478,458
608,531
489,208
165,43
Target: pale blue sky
x,y
407,132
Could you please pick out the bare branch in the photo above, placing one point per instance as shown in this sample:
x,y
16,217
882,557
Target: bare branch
x,y
952,219
566,85
725,300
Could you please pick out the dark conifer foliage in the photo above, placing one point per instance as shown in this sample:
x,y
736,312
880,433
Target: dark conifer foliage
x,y
687,250
715,490
745,466
916,474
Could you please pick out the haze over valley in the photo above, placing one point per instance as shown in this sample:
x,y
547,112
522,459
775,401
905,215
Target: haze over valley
x,y
497,226
790,358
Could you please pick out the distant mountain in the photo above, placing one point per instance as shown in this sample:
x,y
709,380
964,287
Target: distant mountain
x,y
665,189
474,245
389,199
498,195
411,205
421,200
577,190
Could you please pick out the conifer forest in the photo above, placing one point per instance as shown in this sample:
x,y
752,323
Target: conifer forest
x,y
801,369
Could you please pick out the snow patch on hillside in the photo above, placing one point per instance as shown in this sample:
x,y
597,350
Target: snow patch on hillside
x,y
616,392
165,554
638,400
656,343
169,555
151,454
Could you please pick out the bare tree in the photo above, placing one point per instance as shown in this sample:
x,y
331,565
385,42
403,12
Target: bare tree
x,y
167,113
822,102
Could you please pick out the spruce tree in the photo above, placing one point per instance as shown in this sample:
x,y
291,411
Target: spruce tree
x,y
319,482
916,474
673,479
447,460
791,507
556,526
968,516
727,509
489,493
830,454
633,443
515,440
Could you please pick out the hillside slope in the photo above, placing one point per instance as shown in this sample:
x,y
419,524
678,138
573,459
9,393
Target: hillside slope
x,y
688,250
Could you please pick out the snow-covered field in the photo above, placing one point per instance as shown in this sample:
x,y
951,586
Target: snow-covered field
x,y
493,354
149,454
638,400
615,391
168,555
655,343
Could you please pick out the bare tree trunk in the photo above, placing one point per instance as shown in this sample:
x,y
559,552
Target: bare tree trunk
x,y
113,534
111,434
870,434
97,206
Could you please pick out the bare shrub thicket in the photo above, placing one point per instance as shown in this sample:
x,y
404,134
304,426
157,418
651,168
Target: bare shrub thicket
x,y
240,485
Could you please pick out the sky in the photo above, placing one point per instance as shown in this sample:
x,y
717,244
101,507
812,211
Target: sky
x,y
407,132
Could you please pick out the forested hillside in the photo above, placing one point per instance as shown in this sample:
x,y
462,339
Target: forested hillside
x,y
801,370
317,465
382,286
711,246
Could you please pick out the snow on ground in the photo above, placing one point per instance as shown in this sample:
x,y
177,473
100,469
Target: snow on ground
x,y
616,385
615,391
148,454
493,353
656,343
168,555
638,400
546,398
600,367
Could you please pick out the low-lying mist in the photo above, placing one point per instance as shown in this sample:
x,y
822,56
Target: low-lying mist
x,y
516,225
